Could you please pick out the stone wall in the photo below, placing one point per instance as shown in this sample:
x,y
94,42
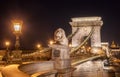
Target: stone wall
x,y
91,69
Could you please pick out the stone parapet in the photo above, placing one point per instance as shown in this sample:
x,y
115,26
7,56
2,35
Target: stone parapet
x,y
86,21
81,19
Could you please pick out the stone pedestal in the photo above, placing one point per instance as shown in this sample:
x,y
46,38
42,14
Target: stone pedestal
x,y
61,58
16,56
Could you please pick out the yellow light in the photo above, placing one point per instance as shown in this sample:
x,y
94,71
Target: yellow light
x,y
89,48
83,47
38,46
51,42
7,43
70,45
17,27
104,47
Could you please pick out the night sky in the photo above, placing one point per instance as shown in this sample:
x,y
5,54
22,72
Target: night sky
x,y
42,18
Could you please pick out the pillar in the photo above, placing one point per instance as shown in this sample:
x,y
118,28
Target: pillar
x,y
61,58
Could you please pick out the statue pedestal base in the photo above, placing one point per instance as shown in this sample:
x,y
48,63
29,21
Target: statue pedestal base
x,y
61,58
65,72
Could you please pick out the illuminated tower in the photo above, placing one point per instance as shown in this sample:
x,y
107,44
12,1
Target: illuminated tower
x,y
86,25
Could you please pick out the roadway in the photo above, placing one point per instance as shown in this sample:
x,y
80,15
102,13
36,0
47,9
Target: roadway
x,y
27,70
13,71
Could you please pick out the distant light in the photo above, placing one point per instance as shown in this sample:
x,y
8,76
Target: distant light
x,y
83,47
104,47
38,45
70,45
51,42
95,50
89,48
7,43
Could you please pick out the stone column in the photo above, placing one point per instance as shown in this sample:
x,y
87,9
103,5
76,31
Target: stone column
x,y
76,38
96,40
96,37
61,58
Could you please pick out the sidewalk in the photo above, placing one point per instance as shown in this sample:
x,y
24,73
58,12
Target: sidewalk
x,y
1,67
0,74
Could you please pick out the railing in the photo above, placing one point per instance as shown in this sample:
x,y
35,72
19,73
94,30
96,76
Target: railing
x,y
51,73
87,59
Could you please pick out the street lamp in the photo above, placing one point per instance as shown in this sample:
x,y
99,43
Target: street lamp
x,y
7,43
7,54
17,27
38,46
51,42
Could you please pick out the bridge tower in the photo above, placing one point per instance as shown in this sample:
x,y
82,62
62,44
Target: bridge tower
x,y
85,25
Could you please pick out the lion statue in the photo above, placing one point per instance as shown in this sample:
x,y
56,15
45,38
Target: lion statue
x,y
60,37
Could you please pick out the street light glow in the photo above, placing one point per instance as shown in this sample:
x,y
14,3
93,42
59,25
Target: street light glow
x,y
38,45
70,45
17,27
51,42
7,43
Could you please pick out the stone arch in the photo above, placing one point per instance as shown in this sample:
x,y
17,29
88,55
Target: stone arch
x,y
85,25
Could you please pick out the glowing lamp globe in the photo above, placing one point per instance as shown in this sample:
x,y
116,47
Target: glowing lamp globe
x,y
17,26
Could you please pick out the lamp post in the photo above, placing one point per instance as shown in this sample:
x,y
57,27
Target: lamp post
x,y
17,27
17,54
7,43
38,46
